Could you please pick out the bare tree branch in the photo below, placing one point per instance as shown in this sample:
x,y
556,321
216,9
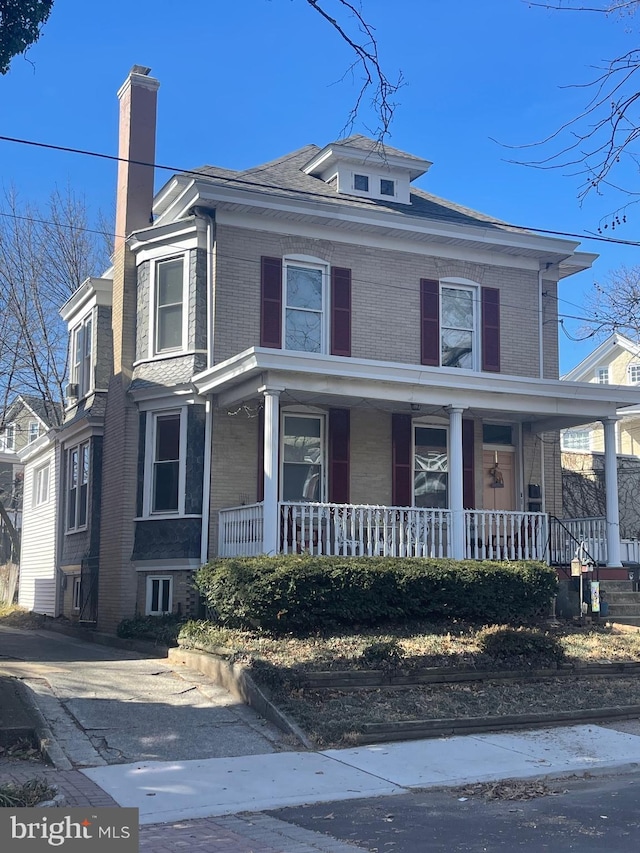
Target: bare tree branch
x,y
374,79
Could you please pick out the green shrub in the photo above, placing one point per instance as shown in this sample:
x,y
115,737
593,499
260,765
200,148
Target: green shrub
x,y
162,630
290,593
385,654
521,645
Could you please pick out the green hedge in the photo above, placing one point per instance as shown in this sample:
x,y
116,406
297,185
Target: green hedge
x,y
306,593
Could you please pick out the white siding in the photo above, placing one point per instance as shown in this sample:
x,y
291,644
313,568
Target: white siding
x,y
38,546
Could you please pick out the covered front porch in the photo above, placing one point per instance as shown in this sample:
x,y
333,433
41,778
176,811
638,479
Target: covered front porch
x,y
468,458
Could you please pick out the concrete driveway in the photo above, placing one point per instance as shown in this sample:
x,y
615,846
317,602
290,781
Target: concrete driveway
x,y
107,706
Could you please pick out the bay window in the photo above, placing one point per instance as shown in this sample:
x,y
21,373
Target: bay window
x,y
169,311
78,487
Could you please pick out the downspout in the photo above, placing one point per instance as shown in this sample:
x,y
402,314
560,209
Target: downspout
x,y
208,424
540,324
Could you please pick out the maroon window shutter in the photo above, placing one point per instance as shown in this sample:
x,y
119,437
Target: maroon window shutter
x,y
339,438
271,303
402,479
260,479
340,311
429,322
491,329
468,472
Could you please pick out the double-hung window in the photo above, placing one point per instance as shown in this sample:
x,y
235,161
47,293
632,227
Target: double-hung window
x,y
169,310
303,464
458,325
10,437
304,307
81,344
78,487
166,481
633,372
430,467
34,431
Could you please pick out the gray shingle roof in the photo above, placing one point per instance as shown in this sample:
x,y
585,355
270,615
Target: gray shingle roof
x,y
284,177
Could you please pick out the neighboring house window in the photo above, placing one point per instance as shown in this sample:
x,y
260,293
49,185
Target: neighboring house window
x,y
576,439
10,437
78,487
361,183
458,327
603,376
634,373
166,463
304,307
303,455
430,467
77,595
34,431
81,344
387,187
169,297
41,485
159,595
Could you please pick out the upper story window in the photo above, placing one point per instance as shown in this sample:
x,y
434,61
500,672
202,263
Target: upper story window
x,y
458,327
304,307
169,308
387,187
81,345
303,458
430,467
361,183
602,376
34,431
78,487
576,439
633,372
41,485
8,439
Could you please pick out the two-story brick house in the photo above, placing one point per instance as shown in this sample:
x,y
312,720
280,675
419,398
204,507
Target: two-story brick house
x,y
316,355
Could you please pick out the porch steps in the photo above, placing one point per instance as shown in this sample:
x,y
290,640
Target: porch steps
x,y
624,601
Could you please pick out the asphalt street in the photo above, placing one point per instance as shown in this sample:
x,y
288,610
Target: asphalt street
x,y
107,706
588,815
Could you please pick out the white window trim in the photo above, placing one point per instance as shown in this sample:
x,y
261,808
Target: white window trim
x,y
601,373
9,437
474,288
76,595
38,473
149,594
149,453
320,415
80,373
78,527
31,438
310,263
153,351
633,367
418,423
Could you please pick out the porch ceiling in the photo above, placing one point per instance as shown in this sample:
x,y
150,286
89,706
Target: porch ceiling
x,y
349,382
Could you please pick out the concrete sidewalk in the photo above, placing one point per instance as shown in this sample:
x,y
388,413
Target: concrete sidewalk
x,y
184,790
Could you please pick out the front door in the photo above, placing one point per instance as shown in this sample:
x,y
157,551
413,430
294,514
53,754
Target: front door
x,y
498,480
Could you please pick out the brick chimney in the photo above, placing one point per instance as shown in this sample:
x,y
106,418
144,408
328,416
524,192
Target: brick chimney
x,y
138,97
134,200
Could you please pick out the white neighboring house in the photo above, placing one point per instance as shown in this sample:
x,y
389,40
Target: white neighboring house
x,y
38,587
615,362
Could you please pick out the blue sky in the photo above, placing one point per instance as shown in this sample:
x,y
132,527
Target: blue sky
x,y
244,82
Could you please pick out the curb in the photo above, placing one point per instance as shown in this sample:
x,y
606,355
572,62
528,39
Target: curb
x,y
47,743
234,678
142,646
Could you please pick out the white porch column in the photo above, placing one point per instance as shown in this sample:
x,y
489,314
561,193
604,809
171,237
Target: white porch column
x,y
270,523
456,476
611,486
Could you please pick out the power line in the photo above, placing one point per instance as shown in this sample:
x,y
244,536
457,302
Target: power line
x,y
244,182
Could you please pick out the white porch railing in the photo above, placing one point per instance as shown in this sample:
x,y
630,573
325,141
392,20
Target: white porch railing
x,y
240,531
568,533
362,530
498,535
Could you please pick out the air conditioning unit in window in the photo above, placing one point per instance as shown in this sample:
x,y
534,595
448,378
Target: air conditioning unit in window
x,y
71,391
